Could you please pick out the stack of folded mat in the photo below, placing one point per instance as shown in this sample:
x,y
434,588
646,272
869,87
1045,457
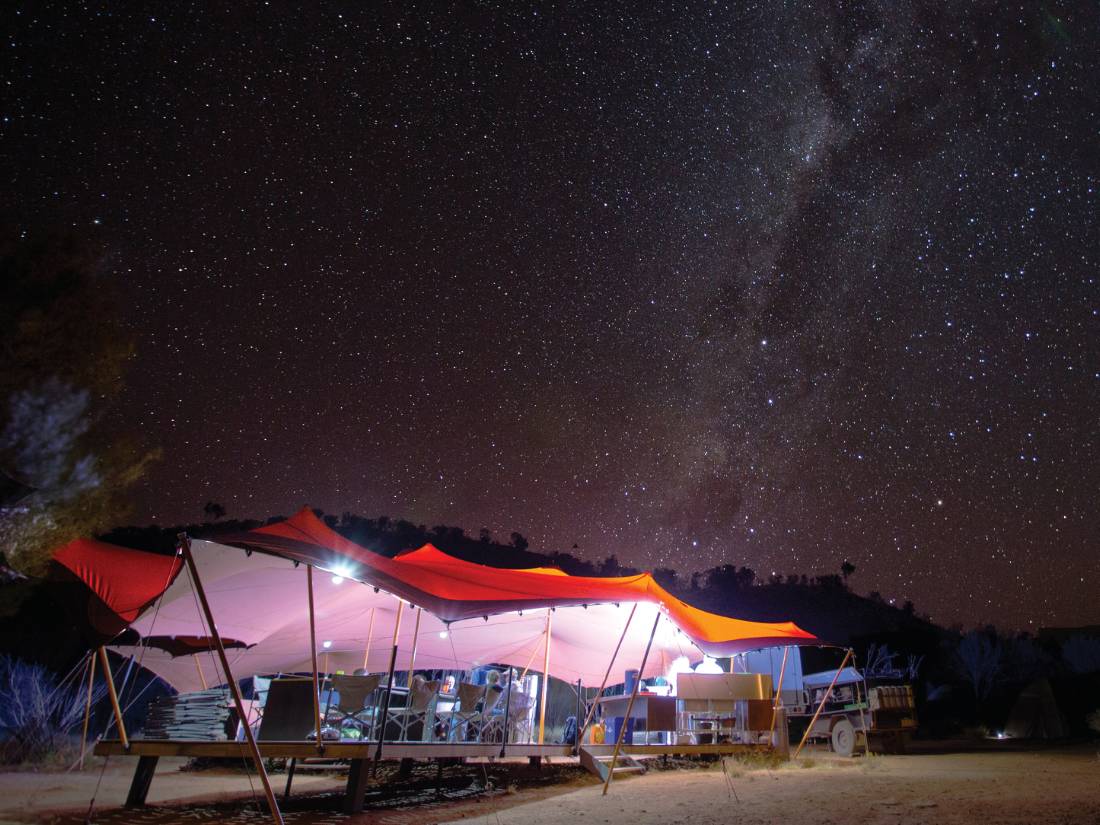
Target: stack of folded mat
x,y
204,714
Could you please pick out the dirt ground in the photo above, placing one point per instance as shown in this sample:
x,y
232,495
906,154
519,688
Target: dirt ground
x,y
1045,787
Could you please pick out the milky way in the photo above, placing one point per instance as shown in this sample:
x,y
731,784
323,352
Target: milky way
x,y
690,284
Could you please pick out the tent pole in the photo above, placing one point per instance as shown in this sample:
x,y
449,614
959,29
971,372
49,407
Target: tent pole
x,y
313,660
198,667
416,634
114,698
546,680
87,709
595,702
507,703
234,688
779,689
821,707
389,688
370,633
630,706
860,701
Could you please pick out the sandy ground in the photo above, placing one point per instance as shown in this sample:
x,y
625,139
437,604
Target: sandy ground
x,y
1045,787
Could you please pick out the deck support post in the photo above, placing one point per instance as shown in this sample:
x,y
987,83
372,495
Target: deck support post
x,y
313,661
603,685
114,697
630,707
546,680
358,774
389,688
234,688
143,778
290,766
821,707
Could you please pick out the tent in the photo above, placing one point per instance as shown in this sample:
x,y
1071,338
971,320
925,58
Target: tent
x,y
465,615
1035,714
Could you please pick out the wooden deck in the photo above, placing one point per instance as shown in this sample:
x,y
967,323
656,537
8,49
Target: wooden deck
x,y
360,756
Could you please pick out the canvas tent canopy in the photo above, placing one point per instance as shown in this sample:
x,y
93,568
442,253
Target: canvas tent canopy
x,y
468,614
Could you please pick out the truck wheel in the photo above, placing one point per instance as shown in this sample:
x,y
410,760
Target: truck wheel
x,y
844,737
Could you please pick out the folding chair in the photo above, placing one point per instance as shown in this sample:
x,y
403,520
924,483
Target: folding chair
x,y
353,694
421,704
467,710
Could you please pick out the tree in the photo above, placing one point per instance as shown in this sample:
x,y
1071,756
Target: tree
x,y
847,569
978,657
63,353
519,542
214,510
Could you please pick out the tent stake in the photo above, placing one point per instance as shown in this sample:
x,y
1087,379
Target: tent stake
x,y
114,698
313,659
87,710
821,707
234,688
546,681
595,702
198,667
630,708
370,633
389,688
779,689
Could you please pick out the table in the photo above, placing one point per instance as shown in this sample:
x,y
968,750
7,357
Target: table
x,y
657,712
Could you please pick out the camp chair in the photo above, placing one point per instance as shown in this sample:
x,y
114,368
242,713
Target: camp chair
x,y
466,711
519,716
420,705
352,696
490,725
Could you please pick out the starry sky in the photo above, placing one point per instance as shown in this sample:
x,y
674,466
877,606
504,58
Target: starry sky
x,y
770,284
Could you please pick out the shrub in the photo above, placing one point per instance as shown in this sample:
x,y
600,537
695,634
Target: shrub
x,y
37,716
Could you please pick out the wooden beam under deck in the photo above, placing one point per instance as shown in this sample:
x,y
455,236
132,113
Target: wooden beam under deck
x,y
397,750
332,750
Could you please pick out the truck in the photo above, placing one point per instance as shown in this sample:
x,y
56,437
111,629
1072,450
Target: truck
x,y
856,716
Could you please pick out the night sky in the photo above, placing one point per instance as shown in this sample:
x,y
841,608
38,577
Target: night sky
x,y
763,284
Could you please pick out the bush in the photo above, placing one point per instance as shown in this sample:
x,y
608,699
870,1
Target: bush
x,y
37,716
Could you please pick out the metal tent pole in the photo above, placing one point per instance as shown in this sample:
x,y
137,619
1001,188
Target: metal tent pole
x,y
824,699
114,698
198,667
603,685
389,687
416,635
630,706
370,633
313,661
507,704
779,689
234,688
87,710
546,680
859,701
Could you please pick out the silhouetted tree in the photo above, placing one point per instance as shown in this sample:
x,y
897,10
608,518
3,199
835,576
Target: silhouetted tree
x,y
847,569
484,536
519,542
214,511
666,577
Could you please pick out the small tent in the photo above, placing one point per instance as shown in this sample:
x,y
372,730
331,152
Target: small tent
x,y
1035,714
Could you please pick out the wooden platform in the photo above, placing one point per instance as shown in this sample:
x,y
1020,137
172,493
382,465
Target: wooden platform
x,y
360,755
